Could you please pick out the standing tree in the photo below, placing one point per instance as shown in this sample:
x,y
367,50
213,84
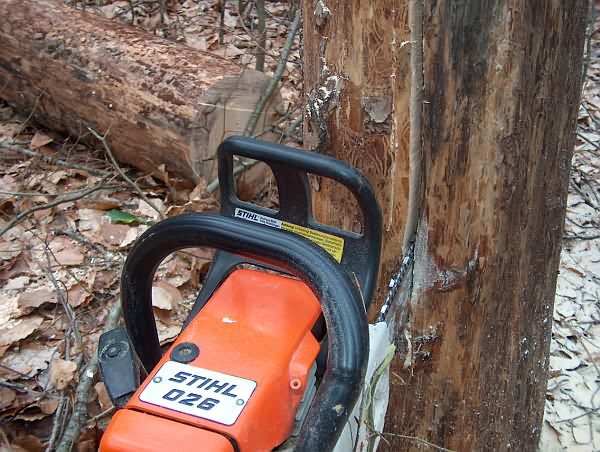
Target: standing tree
x,y
495,131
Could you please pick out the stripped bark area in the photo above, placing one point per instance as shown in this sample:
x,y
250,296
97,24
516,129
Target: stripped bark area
x,y
502,86
161,103
356,80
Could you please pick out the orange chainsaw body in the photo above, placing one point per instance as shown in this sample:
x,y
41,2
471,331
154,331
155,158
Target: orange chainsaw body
x,y
256,326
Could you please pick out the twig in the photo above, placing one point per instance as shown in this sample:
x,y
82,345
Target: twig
x,y
418,440
254,40
289,132
243,165
101,415
63,199
15,386
588,41
222,23
77,236
579,416
581,237
163,11
62,297
266,94
5,439
122,173
37,194
588,141
14,146
59,420
584,195
10,369
415,15
35,106
77,420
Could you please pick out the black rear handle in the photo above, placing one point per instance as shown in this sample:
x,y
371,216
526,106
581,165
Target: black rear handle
x,y
345,318
290,167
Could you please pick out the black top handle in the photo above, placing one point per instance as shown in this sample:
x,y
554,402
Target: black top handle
x,y
344,315
361,252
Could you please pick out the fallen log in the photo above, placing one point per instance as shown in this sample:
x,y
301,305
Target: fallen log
x,y
158,102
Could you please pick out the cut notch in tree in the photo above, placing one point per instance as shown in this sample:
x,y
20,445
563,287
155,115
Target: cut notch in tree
x,y
163,106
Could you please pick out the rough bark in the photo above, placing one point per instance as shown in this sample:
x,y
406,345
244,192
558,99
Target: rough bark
x,y
502,83
162,103
356,79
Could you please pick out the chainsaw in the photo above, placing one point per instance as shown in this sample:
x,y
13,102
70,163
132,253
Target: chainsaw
x,y
276,353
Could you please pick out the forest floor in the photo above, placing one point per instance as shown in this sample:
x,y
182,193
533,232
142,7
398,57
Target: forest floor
x,y
572,411
67,221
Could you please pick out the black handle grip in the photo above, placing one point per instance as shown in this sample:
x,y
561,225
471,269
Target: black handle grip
x,y
343,312
290,167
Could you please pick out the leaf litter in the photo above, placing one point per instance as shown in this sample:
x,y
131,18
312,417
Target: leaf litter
x,y
572,407
60,266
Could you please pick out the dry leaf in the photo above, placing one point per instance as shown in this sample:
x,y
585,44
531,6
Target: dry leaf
x,y
88,445
65,252
144,210
132,235
112,235
10,129
15,330
78,296
62,373
32,299
57,176
161,298
29,443
9,249
40,139
198,190
104,280
17,283
103,397
7,397
166,333
100,203
174,292
197,42
48,406
28,359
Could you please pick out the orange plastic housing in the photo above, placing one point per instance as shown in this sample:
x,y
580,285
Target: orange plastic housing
x,y
131,430
256,326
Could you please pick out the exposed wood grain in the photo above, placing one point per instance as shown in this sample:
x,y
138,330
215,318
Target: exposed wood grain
x,y
502,84
162,102
356,78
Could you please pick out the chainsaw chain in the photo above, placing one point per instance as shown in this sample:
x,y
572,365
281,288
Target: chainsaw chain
x,y
396,282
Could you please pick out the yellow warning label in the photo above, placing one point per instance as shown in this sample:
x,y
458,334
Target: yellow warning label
x,y
334,245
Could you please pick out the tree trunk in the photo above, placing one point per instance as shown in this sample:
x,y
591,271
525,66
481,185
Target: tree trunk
x,y
501,92
160,102
356,78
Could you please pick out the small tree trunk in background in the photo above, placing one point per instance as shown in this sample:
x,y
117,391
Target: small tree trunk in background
x,y
356,77
161,103
501,95
261,40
